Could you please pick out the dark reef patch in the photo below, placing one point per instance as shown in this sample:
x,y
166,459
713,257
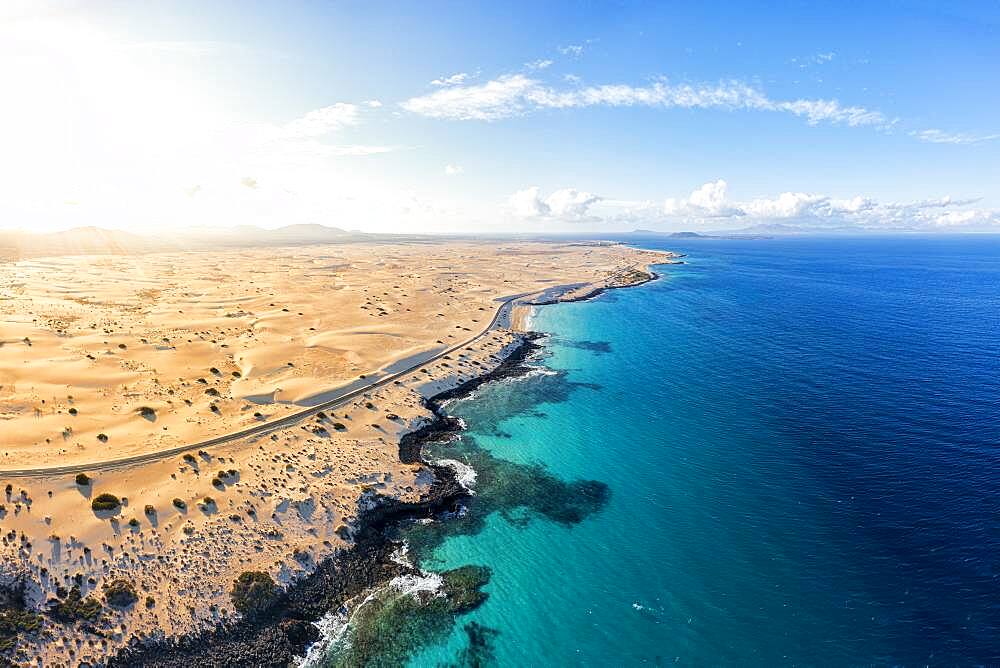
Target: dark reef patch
x,y
519,492
479,650
392,624
599,347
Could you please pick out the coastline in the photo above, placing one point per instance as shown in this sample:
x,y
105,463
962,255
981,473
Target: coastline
x,y
285,630
317,576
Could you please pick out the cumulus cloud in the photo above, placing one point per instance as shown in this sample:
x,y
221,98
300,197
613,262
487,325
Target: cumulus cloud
x,y
453,170
518,94
710,204
574,50
707,201
565,204
710,207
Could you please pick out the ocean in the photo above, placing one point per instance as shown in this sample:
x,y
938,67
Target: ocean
x,y
783,452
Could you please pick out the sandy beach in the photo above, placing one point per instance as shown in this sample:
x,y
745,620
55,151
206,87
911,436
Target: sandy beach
x,y
143,355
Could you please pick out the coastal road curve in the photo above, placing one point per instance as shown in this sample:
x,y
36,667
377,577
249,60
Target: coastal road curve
x,y
502,313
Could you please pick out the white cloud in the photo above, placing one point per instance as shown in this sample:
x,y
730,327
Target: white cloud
x,y
453,170
710,204
708,207
539,64
707,201
936,136
815,59
574,50
453,80
323,121
501,98
565,204
374,104
517,94
528,203
784,206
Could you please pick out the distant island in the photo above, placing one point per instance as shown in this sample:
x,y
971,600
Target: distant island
x,y
699,235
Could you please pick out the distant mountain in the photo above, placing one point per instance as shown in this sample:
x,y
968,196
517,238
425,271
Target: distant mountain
x,y
92,240
248,235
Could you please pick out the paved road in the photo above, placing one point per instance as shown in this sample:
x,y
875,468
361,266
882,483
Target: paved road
x,y
502,317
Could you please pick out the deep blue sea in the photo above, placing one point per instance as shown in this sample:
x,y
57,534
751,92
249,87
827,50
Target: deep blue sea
x,y
800,440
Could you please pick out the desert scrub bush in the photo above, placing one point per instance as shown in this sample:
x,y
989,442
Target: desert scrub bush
x,y
105,501
252,591
82,479
75,607
179,504
15,620
149,509
120,594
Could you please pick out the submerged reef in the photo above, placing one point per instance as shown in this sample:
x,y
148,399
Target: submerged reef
x,y
401,617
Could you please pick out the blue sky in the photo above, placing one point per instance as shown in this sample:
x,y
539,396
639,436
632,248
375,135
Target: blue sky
x,y
535,117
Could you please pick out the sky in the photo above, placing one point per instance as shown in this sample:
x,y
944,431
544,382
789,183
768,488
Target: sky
x,y
500,117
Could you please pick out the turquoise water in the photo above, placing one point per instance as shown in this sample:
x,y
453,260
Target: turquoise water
x,y
800,441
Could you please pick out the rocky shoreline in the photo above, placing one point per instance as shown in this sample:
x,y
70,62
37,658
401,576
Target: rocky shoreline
x,y
597,292
283,628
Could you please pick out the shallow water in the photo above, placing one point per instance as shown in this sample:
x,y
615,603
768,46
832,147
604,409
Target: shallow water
x,y
794,445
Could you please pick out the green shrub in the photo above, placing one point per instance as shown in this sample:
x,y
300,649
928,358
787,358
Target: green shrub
x,y
179,504
82,479
252,591
15,621
75,607
120,594
105,501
